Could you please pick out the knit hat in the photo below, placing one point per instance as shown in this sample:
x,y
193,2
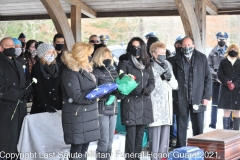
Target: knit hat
x,y
16,42
22,36
43,48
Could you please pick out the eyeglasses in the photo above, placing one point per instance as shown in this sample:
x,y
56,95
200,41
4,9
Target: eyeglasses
x,y
94,41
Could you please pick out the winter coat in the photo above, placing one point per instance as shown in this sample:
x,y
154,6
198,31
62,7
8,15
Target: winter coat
x,y
12,86
228,72
162,96
105,75
214,59
136,108
202,83
47,92
79,114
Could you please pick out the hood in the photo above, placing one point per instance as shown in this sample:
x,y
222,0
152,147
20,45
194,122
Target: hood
x,y
70,62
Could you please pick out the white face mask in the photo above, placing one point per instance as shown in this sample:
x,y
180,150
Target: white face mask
x,y
33,52
49,58
18,51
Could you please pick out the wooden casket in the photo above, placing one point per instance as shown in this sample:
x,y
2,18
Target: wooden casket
x,y
218,144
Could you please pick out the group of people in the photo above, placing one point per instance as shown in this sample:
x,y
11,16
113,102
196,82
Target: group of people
x,y
171,88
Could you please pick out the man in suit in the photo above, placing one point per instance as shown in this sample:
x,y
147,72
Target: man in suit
x,y
191,69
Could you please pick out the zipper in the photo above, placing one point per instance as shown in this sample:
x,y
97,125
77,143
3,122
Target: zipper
x,y
142,86
78,109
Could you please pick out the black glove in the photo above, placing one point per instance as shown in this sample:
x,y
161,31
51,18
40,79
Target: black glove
x,y
164,65
106,96
27,93
118,94
146,91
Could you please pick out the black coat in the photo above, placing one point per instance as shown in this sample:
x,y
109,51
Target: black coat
x,y
46,92
105,75
202,83
229,99
136,108
12,86
79,114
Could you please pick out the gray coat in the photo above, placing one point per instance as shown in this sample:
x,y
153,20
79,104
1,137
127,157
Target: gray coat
x,y
202,83
79,114
214,59
12,86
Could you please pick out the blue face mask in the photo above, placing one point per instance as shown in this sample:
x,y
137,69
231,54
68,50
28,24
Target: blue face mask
x,y
49,58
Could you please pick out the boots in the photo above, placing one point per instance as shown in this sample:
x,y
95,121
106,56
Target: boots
x,y
236,123
226,123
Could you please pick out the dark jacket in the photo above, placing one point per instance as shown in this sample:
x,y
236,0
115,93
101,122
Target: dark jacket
x,y
79,114
228,72
201,88
46,92
12,86
105,75
214,59
136,108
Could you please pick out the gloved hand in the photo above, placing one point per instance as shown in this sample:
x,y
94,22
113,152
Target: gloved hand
x,y
118,94
166,76
164,65
146,91
230,85
27,93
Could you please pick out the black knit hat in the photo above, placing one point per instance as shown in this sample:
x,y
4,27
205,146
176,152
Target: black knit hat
x,y
22,36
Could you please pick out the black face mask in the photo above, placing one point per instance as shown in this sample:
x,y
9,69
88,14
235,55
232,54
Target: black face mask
x,y
135,51
161,58
23,44
232,53
221,43
89,59
107,62
178,50
59,47
9,51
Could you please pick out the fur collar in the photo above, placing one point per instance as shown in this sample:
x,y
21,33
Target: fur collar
x,y
70,62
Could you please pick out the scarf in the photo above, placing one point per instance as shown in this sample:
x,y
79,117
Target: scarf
x,y
49,71
232,60
137,64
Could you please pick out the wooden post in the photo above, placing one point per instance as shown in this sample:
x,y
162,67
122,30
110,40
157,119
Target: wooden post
x,y
200,10
76,22
189,21
60,20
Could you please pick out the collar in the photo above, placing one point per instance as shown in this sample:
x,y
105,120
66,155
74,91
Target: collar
x,y
232,60
189,56
223,48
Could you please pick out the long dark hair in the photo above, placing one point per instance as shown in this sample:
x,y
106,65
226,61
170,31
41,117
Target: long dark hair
x,y
143,55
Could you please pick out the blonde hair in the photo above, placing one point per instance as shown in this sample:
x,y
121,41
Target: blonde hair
x,y
234,45
156,45
43,61
80,52
99,56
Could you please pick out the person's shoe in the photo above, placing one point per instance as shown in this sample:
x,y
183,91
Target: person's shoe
x,y
173,142
212,126
226,123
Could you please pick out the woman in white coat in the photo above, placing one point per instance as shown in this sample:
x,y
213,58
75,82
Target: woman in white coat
x,y
161,96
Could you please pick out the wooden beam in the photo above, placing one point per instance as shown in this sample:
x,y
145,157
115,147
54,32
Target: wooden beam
x,y
200,11
211,8
189,21
139,13
76,22
85,9
60,20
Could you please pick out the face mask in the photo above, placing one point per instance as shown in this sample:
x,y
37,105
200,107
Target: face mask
x,y
232,53
178,49
33,53
89,59
9,51
135,51
221,43
107,62
18,51
187,50
59,47
49,58
161,58
23,44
